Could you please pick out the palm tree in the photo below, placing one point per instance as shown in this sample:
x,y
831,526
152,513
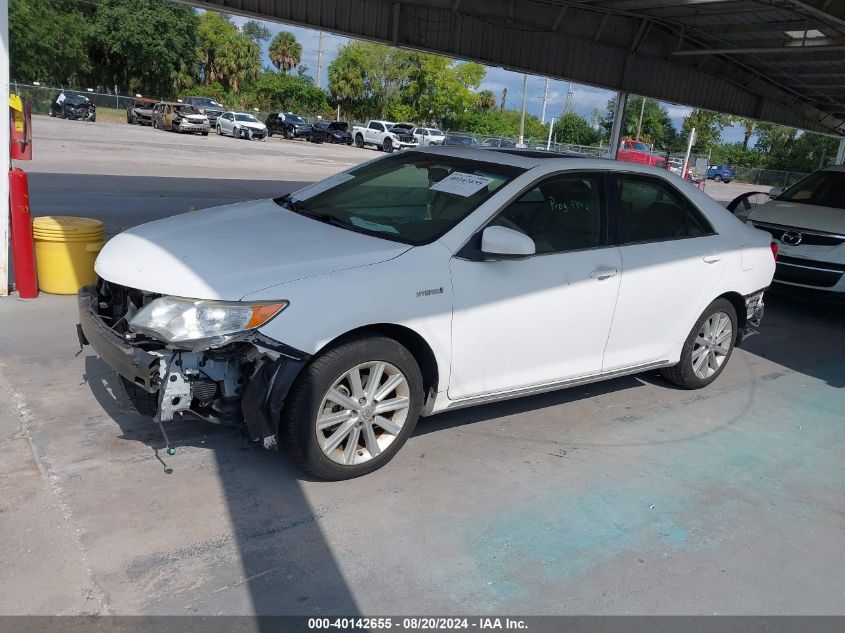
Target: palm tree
x,y
346,80
485,100
285,52
240,61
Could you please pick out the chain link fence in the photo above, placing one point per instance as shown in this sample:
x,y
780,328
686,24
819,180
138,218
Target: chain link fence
x,y
768,177
42,96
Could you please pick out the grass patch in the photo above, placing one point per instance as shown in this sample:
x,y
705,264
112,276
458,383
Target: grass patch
x,y
111,115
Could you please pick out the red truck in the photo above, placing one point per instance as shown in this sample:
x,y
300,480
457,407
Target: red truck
x,y
634,151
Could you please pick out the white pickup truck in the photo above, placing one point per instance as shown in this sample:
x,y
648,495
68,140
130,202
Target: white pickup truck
x,y
384,136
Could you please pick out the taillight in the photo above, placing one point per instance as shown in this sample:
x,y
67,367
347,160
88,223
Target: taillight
x,y
775,250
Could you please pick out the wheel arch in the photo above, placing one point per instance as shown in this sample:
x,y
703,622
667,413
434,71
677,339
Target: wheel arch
x,y
408,338
738,302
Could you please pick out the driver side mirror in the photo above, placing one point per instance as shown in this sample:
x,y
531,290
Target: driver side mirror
x,y
503,243
774,192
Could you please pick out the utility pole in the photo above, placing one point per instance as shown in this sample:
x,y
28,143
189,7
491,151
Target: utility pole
x,y
640,124
320,60
545,96
522,115
568,106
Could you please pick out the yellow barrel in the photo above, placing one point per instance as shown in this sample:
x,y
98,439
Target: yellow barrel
x,y
65,250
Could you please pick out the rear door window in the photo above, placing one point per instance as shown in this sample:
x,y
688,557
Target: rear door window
x,y
650,209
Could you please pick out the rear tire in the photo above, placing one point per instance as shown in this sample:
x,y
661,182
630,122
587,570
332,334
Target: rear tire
x,y
359,141
307,401
702,361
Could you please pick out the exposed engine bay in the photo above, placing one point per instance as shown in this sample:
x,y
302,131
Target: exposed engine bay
x,y
229,384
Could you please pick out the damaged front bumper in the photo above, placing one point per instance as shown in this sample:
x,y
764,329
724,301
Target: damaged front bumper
x,y
243,383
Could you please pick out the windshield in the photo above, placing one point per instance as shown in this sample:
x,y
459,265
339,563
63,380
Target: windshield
x,y
293,118
202,101
436,133
339,125
824,188
246,117
412,197
640,147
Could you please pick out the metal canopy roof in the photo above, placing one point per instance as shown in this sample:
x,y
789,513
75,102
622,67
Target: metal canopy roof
x,y
781,61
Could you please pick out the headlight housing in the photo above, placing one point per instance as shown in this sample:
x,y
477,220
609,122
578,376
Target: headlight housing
x,y
197,324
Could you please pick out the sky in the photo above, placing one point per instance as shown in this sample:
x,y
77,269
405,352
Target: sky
x,y
584,98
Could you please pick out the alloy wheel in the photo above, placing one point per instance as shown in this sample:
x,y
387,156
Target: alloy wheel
x,y
712,345
363,412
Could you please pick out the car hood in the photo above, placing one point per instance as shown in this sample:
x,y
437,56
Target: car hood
x,y
802,216
253,125
232,251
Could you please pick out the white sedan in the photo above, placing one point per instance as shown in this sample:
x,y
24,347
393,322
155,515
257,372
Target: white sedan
x,y
330,319
808,222
241,125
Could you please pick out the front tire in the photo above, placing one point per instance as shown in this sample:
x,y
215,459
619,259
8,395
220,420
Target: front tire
x,y
388,146
717,178
708,347
353,407
219,131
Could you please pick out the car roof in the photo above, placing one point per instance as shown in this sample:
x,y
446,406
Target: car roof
x,y
529,159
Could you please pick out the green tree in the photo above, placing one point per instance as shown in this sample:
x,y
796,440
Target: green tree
x,y
255,31
48,41
708,128
240,61
278,91
657,128
227,56
214,32
347,82
137,44
485,100
285,52
572,128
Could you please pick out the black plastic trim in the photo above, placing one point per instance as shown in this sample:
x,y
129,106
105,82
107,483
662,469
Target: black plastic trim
x,y
134,364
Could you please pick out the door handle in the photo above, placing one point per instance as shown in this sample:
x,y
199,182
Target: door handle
x,y
712,258
604,272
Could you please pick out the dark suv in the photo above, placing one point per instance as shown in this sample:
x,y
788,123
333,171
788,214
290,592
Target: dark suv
x,y
287,124
207,106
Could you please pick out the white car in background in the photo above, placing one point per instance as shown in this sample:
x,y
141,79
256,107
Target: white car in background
x,y
808,222
330,319
241,125
428,136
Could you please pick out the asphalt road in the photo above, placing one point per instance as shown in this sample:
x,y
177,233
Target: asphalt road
x,y
626,497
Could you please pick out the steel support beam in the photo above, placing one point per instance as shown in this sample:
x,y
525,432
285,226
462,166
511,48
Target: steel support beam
x,y
518,35
5,281
840,155
618,120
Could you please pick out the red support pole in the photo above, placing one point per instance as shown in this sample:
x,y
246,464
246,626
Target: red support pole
x,y
23,254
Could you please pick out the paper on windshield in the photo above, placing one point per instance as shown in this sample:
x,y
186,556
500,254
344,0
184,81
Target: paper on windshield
x,y
461,184
320,187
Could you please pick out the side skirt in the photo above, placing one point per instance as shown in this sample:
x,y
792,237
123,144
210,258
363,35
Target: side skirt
x,y
553,386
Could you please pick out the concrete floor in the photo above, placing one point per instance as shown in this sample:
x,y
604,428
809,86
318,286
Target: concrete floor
x,y
623,497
